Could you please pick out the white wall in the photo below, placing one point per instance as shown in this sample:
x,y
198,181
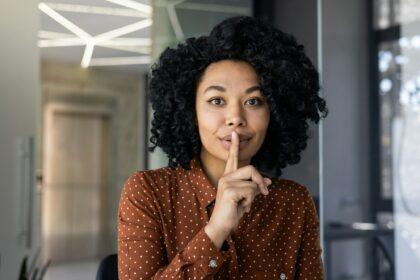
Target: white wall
x,y
19,117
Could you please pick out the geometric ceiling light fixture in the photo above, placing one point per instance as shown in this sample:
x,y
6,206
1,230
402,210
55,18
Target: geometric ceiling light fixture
x,y
112,39
140,7
109,39
111,11
172,5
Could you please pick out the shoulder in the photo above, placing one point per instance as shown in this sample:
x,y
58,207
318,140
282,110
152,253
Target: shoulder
x,y
292,192
147,182
289,186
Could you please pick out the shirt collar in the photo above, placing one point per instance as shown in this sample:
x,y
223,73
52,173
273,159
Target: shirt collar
x,y
200,183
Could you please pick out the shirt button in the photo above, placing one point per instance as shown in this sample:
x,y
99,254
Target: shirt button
x,y
213,263
282,276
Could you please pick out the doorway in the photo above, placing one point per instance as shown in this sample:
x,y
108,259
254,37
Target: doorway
x,y
76,156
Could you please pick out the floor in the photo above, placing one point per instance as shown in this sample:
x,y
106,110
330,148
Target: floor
x,y
83,270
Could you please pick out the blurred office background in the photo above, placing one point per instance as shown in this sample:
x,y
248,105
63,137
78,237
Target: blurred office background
x,y
74,124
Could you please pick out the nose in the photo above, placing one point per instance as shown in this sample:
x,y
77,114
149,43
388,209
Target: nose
x,y
235,116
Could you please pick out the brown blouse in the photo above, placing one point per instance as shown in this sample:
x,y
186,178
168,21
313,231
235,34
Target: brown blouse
x,y
161,219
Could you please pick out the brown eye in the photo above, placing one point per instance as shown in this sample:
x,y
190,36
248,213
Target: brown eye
x,y
211,100
259,101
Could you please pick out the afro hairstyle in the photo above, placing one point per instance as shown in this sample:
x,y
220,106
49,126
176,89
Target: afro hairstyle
x,y
287,77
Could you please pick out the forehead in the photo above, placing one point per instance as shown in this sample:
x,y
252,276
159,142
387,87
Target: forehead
x,y
229,73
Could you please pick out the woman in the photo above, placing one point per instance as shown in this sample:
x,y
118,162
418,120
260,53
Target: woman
x,y
229,107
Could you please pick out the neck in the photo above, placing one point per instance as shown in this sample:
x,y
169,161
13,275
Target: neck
x,y
214,167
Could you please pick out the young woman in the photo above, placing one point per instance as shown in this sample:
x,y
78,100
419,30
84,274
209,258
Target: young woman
x,y
228,108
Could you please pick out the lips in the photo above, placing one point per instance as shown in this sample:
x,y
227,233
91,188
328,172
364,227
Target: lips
x,y
227,143
242,137
239,140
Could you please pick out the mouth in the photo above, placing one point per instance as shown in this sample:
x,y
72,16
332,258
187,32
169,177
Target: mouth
x,y
239,140
242,143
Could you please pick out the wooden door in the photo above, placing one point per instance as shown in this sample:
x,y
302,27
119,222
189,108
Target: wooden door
x,y
76,160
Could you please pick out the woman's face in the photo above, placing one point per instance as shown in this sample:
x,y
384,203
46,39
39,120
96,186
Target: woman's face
x,y
228,98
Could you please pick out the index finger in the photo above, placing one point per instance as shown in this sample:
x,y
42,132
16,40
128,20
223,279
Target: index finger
x,y
232,160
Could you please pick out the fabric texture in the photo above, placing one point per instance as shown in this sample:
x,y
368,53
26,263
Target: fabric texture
x,y
161,218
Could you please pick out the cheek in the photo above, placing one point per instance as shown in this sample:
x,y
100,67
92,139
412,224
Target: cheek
x,y
260,120
209,120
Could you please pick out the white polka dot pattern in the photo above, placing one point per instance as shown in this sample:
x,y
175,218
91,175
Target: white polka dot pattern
x,y
161,219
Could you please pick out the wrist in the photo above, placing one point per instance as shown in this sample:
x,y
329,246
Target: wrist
x,y
217,236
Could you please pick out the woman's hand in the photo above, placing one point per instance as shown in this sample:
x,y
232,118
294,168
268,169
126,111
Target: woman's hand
x,y
236,191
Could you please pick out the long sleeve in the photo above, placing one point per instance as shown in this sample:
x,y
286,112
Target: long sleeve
x,y
141,241
309,260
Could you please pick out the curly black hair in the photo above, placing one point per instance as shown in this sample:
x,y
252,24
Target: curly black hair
x,y
287,78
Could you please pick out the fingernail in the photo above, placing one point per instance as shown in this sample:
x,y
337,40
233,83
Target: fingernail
x,y
267,181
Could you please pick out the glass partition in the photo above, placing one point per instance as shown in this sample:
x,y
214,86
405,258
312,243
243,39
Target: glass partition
x,y
397,27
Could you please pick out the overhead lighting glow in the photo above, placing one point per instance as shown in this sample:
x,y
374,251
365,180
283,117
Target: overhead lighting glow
x,y
133,5
128,42
65,42
87,56
109,61
53,35
175,22
140,50
207,7
110,11
109,39
123,30
64,22
76,41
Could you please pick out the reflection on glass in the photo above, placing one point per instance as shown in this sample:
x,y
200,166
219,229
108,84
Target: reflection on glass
x,y
389,80
393,12
406,160
399,108
399,95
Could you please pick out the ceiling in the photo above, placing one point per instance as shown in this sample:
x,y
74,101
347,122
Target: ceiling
x,y
116,34
112,34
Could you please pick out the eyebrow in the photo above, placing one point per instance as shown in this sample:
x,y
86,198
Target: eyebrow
x,y
222,89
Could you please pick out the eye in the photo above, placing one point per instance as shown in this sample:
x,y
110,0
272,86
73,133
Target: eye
x,y
259,101
211,100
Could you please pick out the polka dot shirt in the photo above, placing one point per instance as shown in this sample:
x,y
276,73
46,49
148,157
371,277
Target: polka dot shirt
x,y
161,218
